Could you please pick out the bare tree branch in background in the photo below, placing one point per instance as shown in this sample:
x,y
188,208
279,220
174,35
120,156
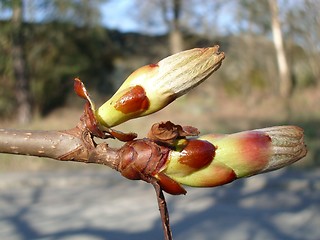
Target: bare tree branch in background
x,y
170,12
175,35
304,24
285,86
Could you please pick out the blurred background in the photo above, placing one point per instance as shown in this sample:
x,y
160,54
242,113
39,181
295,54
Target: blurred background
x,y
271,76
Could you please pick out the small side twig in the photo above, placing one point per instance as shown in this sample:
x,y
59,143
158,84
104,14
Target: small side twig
x,y
163,211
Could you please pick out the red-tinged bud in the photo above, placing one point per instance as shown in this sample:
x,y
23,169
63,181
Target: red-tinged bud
x,y
152,87
236,155
211,160
257,151
246,153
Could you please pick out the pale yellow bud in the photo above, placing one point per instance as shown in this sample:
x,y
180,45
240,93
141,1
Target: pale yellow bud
x,y
152,87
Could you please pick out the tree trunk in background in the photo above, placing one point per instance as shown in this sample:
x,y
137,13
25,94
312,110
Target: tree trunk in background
x,y
175,41
175,36
285,83
22,89
311,8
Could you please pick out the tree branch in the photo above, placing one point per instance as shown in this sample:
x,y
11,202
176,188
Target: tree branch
x,y
52,144
75,144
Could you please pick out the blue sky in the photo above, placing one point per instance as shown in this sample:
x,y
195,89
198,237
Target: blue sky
x,y
122,15
114,16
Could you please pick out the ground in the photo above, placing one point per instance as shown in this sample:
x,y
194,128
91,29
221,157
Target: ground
x,y
98,203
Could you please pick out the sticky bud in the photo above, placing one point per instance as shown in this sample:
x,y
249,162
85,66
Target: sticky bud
x,y
152,87
238,155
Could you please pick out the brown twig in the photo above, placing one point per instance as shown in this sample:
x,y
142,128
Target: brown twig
x,y
52,144
75,144
163,211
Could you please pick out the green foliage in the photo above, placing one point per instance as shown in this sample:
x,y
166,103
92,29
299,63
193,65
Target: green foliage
x,y
63,52
7,102
56,53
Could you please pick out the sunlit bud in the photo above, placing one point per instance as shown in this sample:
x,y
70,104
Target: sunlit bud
x,y
213,160
152,87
